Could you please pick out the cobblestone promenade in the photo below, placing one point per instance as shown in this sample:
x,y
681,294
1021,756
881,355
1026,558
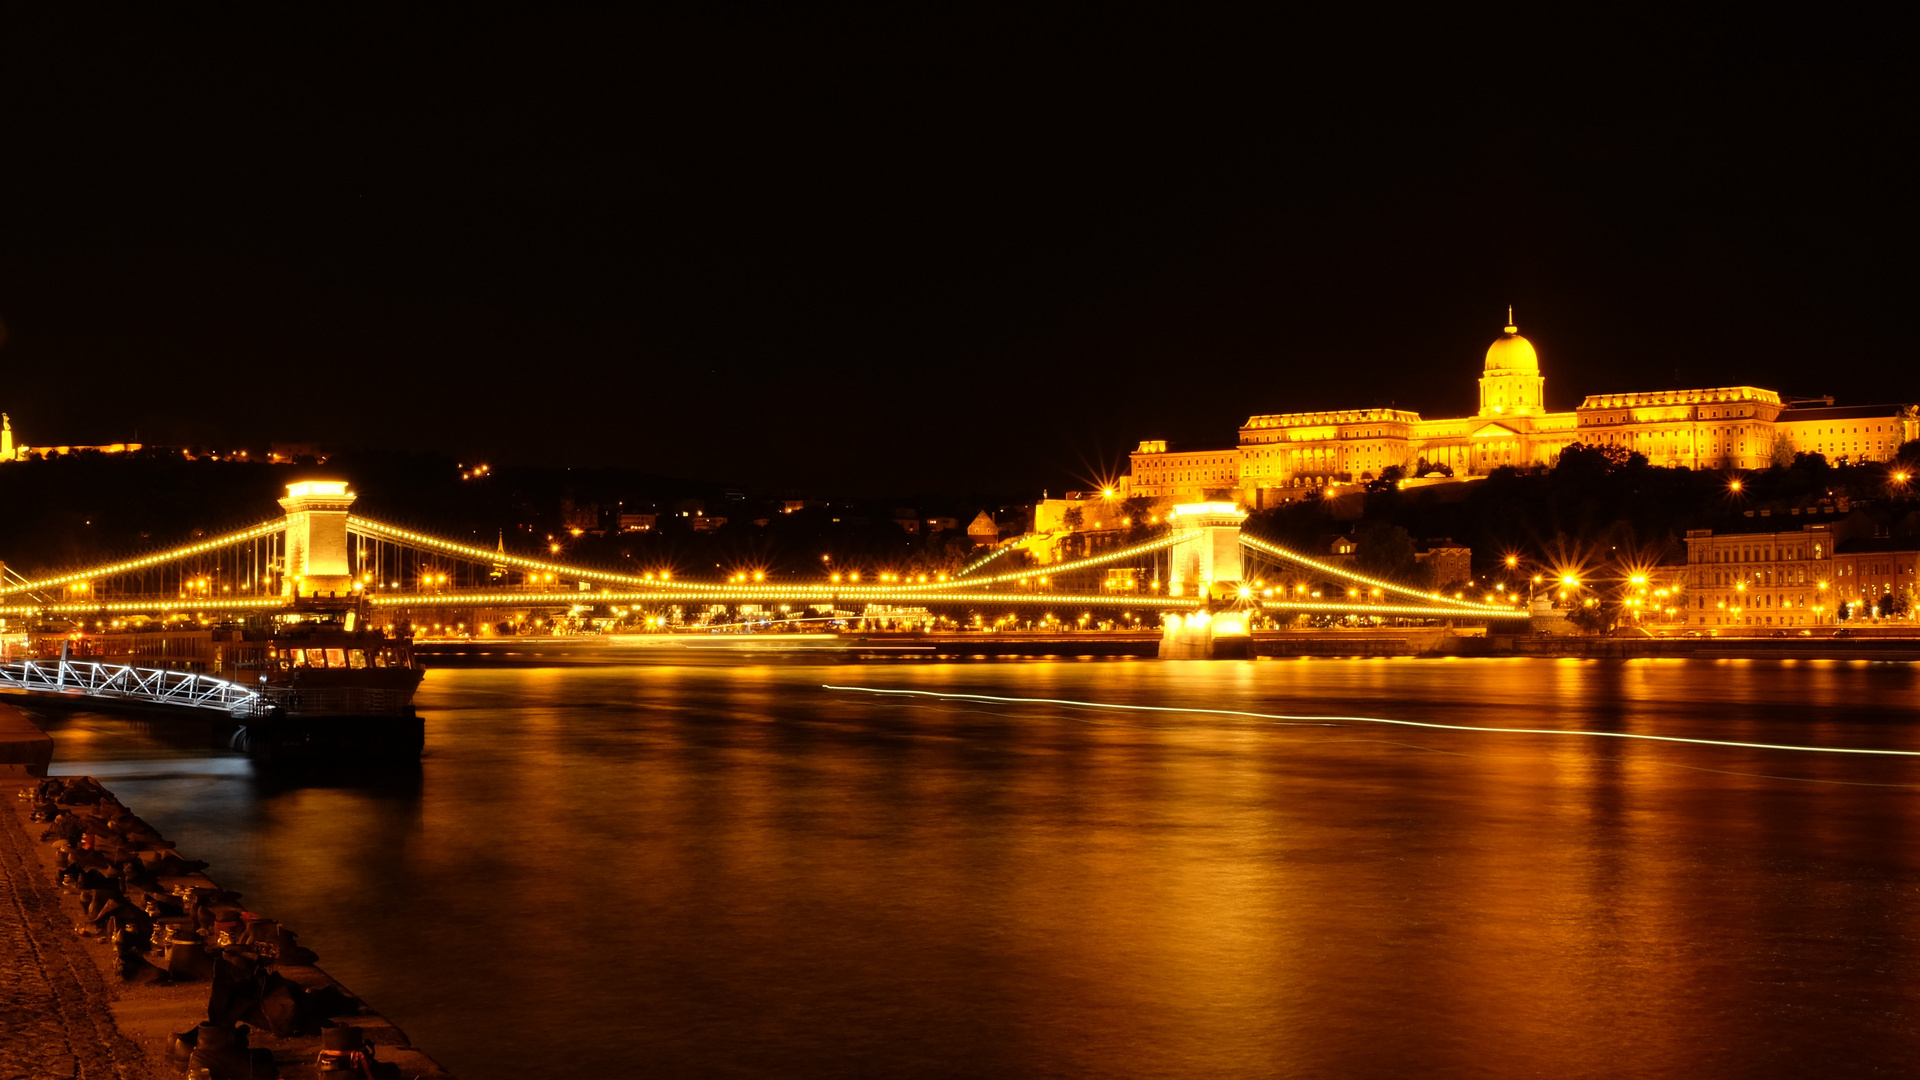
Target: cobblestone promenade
x,y
54,1020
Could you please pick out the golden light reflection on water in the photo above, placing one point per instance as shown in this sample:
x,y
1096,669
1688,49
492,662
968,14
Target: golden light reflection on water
x,y
699,869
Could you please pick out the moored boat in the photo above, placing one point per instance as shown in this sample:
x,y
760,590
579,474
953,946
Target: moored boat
x,y
322,683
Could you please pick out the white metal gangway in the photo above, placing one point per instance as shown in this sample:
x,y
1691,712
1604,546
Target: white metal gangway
x,y
86,678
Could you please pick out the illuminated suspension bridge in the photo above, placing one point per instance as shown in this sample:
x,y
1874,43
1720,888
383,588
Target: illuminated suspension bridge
x,y
319,548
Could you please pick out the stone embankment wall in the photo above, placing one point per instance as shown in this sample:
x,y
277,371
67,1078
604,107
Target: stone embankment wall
x,y
1705,648
120,958
23,744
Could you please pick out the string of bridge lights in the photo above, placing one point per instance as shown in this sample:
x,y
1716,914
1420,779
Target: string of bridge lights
x,y
983,560
915,596
1478,609
142,563
1064,600
1086,563
382,531
251,603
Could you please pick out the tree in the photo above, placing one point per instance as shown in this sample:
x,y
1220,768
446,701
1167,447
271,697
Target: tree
x,y
1782,453
1386,551
1426,467
1595,459
1390,478
944,552
1596,617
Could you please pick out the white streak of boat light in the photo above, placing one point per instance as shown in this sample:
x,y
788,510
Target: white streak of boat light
x,y
1377,720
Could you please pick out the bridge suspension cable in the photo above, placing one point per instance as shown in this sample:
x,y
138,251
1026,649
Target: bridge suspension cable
x,y
983,560
1090,561
367,527
8,574
382,531
265,528
1440,604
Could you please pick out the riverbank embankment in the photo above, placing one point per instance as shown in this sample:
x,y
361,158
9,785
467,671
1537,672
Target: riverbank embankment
x,y
56,1014
22,744
113,946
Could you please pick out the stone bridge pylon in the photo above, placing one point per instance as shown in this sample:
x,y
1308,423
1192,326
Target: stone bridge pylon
x,y
1208,549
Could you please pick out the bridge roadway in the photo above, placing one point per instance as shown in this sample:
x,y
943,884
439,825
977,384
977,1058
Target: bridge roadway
x,y
766,594
623,648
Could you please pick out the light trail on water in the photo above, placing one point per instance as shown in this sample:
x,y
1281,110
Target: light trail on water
x,y
1288,718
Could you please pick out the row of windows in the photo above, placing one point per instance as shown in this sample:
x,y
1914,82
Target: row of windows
x,y
1157,478
1763,554
1793,575
338,658
1628,418
1879,428
1764,600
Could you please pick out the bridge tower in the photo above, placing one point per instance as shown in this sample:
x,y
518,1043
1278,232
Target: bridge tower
x,y
1209,550
317,560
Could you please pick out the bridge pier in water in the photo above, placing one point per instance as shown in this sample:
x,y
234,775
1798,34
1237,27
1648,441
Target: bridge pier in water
x,y
1207,554
1206,635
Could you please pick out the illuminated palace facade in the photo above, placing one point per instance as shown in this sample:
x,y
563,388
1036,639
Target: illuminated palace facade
x,y
1282,456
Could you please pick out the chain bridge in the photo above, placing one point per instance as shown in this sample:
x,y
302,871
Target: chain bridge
x,y
319,548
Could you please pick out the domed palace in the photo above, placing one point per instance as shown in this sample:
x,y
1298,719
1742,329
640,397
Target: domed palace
x,y
1282,456
1511,384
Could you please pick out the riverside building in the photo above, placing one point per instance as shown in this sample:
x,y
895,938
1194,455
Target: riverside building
x,y
1796,575
1282,456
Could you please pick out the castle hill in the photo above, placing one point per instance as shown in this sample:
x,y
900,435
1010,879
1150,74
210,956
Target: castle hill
x,y
750,544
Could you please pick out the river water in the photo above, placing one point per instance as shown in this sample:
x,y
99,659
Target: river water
x,y
730,870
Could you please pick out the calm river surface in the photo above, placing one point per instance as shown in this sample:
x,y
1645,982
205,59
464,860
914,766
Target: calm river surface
x,y
714,870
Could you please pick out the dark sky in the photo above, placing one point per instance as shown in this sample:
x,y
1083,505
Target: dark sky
x,y
993,253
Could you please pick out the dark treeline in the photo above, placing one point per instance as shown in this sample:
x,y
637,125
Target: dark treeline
x,y
91,508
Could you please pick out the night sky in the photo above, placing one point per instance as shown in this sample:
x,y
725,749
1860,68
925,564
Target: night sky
x,y
843,256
